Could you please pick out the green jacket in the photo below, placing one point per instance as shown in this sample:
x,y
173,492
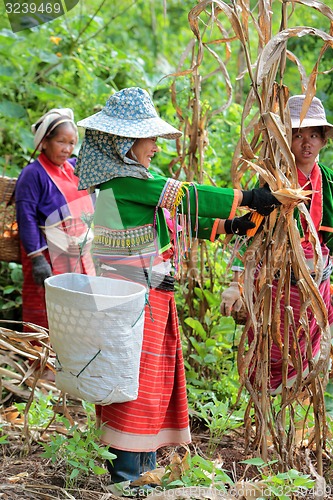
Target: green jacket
x,y
129,218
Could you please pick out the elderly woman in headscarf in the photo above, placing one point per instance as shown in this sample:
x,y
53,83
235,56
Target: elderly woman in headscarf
x,y
51,212
133,241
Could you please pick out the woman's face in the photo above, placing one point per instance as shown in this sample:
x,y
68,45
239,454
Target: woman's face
x,y
306,144
61,146
144,150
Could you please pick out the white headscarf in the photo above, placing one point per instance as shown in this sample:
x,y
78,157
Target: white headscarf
x,y
40,127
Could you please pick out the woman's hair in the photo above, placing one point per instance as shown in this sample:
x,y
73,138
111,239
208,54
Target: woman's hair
x,y
322,131
55,130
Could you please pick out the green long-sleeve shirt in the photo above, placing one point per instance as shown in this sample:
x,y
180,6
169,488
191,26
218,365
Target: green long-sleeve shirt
x,y
129,219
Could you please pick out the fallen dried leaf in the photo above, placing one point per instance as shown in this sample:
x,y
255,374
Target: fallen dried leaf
x,y
150,477
18,478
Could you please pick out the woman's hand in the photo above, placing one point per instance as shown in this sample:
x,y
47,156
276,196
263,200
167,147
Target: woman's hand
x,y
260,199
231,299
239,225
41,269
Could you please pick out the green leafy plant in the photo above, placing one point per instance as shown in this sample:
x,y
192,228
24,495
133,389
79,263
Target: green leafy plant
x,y
281,486
11,280
209,340
41,410
198,472
78,450
3,436
219,418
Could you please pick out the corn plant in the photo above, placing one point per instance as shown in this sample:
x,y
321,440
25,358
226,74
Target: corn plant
x,y
263,150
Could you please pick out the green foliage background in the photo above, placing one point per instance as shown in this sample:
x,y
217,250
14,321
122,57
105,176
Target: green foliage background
x,y
99,47
79,60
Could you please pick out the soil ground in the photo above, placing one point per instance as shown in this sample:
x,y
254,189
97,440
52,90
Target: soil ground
x,y
34,477
28,475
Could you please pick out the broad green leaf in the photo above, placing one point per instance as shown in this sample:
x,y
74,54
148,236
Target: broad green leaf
x,y
12,109
257,461
99,470
197,327
74,473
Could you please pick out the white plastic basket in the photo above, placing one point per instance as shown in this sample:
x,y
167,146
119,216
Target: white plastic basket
x,y
96,330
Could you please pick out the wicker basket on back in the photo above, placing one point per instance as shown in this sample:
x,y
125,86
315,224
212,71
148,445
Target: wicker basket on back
x,y
9,238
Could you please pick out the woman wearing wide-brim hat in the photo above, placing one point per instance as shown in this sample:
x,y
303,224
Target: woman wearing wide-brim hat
x,y
133,241
309,136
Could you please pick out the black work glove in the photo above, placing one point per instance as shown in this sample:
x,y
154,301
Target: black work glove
x,y
238,225
41,269
260,199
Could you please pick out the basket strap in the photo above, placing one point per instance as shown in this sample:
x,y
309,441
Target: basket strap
x,y
150,270
82,245
86,366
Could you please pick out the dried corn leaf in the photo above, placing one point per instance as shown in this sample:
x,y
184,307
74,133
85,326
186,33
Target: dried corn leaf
x,y
276,129
292,196
266,176
320,6
300,68
273,50
265,21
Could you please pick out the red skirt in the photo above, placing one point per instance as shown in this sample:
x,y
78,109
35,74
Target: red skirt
x,y
296,303
159,416
315,335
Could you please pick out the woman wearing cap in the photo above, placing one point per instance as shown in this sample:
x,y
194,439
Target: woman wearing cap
x,y
49,209
132,241
308,138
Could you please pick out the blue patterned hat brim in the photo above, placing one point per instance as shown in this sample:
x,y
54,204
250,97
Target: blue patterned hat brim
x,y
138,129
130,113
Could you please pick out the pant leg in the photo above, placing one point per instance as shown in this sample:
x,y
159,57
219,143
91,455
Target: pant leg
x,y
129,465
147,461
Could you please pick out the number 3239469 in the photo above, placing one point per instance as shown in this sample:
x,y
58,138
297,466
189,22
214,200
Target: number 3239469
x,y
32,8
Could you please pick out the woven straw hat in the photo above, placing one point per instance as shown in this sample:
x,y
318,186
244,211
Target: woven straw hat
x,y
130,113
315,116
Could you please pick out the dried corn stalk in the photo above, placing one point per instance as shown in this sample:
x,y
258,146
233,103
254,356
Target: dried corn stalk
x,y
264,149
24,357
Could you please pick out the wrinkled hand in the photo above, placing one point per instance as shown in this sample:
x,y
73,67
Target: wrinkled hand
x,y
260,199
231,299
41,269
239,225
